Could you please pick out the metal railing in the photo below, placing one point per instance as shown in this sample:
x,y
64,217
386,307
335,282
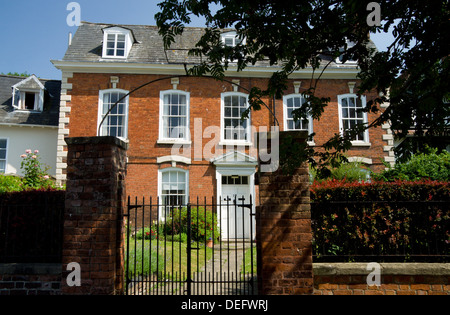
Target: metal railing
x,y
182,250
381,231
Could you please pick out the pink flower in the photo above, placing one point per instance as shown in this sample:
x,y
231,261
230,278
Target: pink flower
x,y
46,177
34,156
36,151
28,151
23,156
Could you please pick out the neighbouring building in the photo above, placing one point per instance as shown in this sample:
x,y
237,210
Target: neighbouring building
x,y
186,138
29,113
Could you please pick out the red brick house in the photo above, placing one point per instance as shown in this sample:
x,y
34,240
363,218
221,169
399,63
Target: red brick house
x,y
178,127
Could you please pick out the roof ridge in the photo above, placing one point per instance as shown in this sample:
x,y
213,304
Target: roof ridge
x,y
142,25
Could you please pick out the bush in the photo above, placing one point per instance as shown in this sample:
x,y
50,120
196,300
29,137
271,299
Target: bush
x,y
427,165
401,219
147,233
340,190
10,184
35,175
351,171
203,224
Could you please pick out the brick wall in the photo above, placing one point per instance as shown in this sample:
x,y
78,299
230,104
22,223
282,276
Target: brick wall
x,y
283,231
30,279
95,198
395,279
80,115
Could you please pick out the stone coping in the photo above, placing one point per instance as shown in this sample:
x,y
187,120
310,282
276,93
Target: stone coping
x,y
411,269
98,140
31,269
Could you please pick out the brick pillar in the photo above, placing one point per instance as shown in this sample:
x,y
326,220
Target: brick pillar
x,y
284,237
95,198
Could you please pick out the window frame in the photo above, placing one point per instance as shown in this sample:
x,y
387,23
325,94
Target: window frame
x,y
161,172
364,119
100,112
116,31
350,44
223,141
19,104
169,140
6,155
233,35
286,118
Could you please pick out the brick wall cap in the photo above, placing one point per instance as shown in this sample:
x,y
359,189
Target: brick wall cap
x,y
98,140
342,269
31,269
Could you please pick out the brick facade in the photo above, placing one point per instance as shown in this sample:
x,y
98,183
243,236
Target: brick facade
x,y
80,119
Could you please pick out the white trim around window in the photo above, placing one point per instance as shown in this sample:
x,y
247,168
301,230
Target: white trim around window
x,y
28,100
348,105
117,43
290,103
173,188
3,155
233,131
174,117
117,122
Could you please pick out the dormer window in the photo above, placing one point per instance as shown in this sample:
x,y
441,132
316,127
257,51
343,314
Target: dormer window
x,y
28,95
340,59
231,39
117,42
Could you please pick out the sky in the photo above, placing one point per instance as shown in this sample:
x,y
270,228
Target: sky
x,y
33,32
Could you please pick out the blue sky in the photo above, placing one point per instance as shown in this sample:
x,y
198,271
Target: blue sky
x,y
34,32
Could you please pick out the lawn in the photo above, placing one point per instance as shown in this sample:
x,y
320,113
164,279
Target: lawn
x,y
145,261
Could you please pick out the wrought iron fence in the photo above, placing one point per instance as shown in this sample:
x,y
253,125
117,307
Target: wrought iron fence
x,y
381,231
187,249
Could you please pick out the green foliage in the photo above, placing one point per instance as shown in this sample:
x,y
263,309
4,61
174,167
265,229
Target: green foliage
x,y
380,218
428,165
35,175
352,171
203,224
294,35
17,74
147,233
10,184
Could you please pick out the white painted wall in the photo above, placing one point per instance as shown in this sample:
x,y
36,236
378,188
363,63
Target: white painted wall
x,y
33,138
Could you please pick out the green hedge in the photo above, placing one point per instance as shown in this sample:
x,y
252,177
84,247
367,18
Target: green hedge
x,y
391,221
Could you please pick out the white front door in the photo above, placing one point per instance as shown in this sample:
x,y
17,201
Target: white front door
x,y
235,220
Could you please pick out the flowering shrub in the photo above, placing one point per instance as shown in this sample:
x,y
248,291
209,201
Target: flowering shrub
x,y
35,175
146,233
400,219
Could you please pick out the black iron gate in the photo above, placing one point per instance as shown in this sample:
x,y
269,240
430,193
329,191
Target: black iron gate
x,y
202,248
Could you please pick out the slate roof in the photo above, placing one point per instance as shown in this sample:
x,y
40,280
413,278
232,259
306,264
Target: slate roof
x,y
48,117
148,47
